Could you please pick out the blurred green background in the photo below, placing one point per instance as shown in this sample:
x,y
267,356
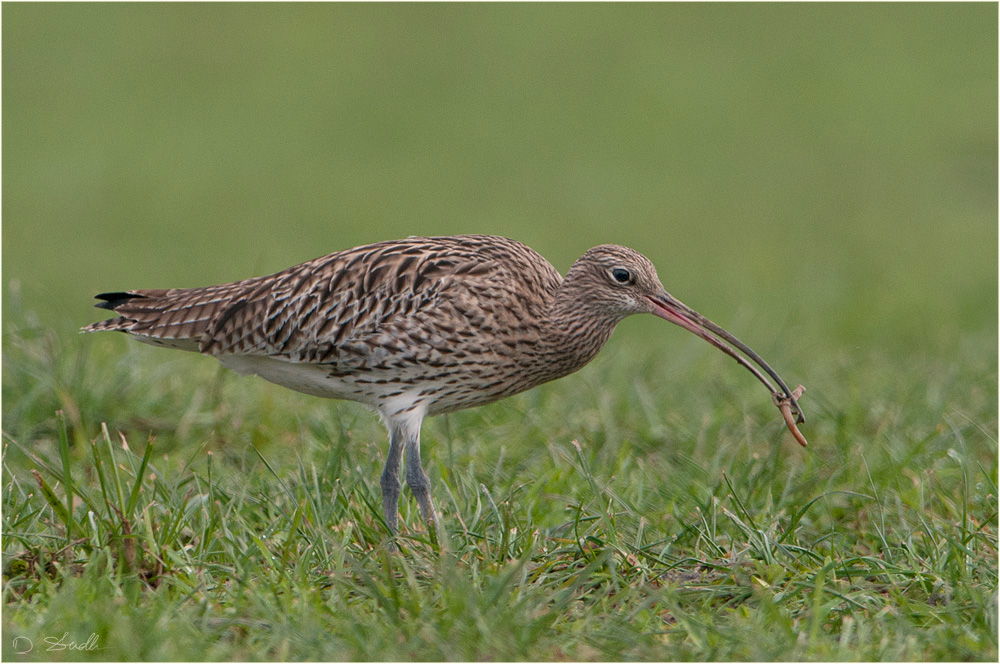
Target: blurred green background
x,y
816,176
821,179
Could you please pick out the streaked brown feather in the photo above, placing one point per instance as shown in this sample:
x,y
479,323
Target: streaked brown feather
x,y
389,305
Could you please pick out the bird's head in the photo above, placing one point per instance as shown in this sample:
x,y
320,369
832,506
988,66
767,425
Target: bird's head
x,y
616,282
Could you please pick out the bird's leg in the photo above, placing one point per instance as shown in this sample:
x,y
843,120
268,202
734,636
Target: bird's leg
x,y
419,483
390,480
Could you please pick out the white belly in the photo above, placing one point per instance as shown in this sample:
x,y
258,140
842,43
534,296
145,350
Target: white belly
x,y
307,378
388,398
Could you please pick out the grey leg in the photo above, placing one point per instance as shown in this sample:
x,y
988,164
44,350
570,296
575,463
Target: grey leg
x,y
390,479
419,483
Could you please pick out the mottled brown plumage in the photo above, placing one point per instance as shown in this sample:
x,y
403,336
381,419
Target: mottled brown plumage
x,y
413,327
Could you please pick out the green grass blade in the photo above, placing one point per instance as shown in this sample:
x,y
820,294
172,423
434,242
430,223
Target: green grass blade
x,y
67,474
137,486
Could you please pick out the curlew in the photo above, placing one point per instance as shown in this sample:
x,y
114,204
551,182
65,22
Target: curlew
x,y
420,327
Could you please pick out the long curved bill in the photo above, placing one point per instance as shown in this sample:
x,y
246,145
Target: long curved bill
x,y
669,308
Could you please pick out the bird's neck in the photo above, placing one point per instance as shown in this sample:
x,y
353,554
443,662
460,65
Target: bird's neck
x,y
577,330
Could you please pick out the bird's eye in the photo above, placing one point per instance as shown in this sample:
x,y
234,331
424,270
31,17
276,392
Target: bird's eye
x,y
621,275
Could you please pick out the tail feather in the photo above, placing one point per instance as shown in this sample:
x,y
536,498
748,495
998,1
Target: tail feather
x,y
177,317
113,300
119,323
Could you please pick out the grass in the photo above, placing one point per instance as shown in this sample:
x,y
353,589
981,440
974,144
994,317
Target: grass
x,y
819,179
583,520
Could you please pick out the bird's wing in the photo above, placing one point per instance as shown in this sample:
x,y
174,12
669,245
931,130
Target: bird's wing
x,y
352,307
333,305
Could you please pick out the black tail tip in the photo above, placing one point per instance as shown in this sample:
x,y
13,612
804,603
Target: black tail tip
x,y
112,300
